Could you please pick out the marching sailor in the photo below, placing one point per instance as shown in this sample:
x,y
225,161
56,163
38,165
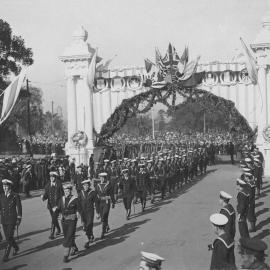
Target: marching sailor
x,y
11,216
105,201
87,200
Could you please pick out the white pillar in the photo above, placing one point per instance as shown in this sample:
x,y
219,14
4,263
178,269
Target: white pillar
x,y
72,107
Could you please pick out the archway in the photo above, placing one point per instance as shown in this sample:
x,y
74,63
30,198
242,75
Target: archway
x,y
171,95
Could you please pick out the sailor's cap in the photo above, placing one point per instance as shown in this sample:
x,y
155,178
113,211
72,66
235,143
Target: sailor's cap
x,y
225,195
67,186
161,159
7,182
152,259
253,244
133,160
53,173
141,165
103,174
247,173
256,160
247,160
106,160
240,182
246,169
113,161
87,181
28,166
218,219
149,161
125,159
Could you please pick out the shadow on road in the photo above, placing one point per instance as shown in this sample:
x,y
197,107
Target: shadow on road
x,y
115,237
16,267
262,211
262,234
263,223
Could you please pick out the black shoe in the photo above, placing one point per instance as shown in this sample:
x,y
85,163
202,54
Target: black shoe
x,y
87,245
102,236
107,228
74,251
65,259
15,251
51,237
58,232
92,239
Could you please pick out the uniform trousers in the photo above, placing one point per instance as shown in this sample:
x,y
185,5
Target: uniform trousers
x,y
9,230
54,216
104,209
243,228
127,200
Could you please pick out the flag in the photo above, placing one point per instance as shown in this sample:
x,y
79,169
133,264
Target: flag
x,y
250,63
194,80
92,71
105,66
184,57
171,58
148,65
159,62
11,94
190,69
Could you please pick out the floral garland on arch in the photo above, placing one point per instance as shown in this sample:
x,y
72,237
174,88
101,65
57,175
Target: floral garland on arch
x,y
168,96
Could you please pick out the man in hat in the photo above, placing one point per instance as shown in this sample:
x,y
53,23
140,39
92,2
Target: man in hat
x,y
79,177
127,185
87,200
68,207
242,208
53,193
150,261
11,216
228,211
252,254
258,172
141,189
105,201
223,246
26,179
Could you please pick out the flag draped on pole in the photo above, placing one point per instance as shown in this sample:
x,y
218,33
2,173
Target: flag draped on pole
x,y
184,57
190,69
148,65
92,71
11,94
250,63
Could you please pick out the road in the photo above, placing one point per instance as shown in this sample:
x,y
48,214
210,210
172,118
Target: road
x,y
178,229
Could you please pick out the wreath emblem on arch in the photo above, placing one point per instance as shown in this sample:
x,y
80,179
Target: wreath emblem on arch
x,y
79,139
266,133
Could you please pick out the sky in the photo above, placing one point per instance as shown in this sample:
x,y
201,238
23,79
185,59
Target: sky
x,y
130,29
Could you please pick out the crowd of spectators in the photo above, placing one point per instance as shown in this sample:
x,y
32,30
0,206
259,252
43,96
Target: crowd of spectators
x,y
41,144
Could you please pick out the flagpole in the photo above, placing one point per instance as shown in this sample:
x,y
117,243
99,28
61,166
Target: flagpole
x,y
28,109
153,123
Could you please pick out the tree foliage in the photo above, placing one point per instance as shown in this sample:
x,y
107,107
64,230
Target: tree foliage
x,y
13,53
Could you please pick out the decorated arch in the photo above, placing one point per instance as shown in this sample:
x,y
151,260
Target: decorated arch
x,y
172,95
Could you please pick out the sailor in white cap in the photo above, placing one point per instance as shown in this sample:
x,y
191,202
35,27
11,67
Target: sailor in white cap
x,y
11,216
223,245
228,211
150,261
242,207
105,200
87,200
69,208
53,193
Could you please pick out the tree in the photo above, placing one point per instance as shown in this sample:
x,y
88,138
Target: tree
x,y
13,53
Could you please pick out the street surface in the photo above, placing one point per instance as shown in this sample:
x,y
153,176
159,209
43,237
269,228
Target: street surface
x,y
177,229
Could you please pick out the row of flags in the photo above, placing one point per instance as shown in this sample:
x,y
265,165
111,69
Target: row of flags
x,y
167,69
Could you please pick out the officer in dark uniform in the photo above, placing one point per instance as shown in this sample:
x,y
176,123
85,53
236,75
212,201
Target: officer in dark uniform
x,y
228,211
141,185
11,216
87,200
127,185
252,254
258,171
242,208
223,246
105,201
53,193
68,207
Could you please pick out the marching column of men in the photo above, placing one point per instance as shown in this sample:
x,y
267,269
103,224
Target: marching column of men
x,y
252,250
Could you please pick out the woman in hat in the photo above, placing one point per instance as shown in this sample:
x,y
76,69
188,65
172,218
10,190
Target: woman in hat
x,y
105,200
68,207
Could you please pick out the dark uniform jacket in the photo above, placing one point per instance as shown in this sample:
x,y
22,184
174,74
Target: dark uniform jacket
x,y
105,193
53,194
223,253
87,202
229,212
10,207
128,186
68,207
242,204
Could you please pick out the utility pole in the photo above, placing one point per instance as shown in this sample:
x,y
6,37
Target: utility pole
x,y
28,109
204,122
52,120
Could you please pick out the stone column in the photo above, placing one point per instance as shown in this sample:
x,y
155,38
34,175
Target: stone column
x,y
72,107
